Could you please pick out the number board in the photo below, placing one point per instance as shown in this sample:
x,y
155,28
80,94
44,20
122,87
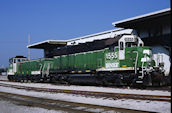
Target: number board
x,y
129,39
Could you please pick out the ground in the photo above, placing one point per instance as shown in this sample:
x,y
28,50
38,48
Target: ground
x,y
156,106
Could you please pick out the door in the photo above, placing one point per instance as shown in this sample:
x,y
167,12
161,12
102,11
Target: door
x,y
14,65
121,51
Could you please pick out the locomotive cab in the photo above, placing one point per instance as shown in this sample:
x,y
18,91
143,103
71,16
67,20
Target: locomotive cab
x,y
128,41
12,69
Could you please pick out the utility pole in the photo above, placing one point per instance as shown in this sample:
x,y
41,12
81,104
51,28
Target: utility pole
x,y
28,48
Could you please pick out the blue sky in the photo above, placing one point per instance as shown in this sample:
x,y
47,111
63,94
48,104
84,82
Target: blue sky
x,y
61,20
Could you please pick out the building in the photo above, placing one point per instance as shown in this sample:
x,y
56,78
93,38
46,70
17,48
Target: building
x,y
153,27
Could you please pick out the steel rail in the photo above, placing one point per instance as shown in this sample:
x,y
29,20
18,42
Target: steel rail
x,y
74,107
97,94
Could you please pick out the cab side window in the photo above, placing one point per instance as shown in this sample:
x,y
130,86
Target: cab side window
x,y
121,45
14,60
18,60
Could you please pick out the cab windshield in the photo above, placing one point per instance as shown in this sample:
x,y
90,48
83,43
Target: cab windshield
x,y
130,44
10,60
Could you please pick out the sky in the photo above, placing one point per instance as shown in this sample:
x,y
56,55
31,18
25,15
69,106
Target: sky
x,y
61,20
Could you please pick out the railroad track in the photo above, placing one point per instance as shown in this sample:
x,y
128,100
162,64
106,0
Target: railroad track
x,y
96,94
161,88
72,107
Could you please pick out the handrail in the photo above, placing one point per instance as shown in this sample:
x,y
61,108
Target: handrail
x,y
136,61
48,69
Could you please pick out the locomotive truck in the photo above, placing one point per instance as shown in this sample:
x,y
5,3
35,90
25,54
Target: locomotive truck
x,y
122,60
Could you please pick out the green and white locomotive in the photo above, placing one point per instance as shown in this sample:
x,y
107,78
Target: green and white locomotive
x,y
123,60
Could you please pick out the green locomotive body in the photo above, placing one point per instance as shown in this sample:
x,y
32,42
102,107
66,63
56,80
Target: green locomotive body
x,y
80,61
128,63
101,59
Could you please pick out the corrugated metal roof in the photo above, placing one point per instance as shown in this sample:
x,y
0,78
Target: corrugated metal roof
x,y
99,36
83,39
43,44
150,15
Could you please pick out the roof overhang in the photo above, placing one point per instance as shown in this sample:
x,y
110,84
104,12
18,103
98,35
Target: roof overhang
x,y
48,44
161,15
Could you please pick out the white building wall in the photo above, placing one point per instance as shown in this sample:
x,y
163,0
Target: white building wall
x,y
165,57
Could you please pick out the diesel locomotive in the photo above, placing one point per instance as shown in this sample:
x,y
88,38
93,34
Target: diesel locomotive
x,y
122,60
